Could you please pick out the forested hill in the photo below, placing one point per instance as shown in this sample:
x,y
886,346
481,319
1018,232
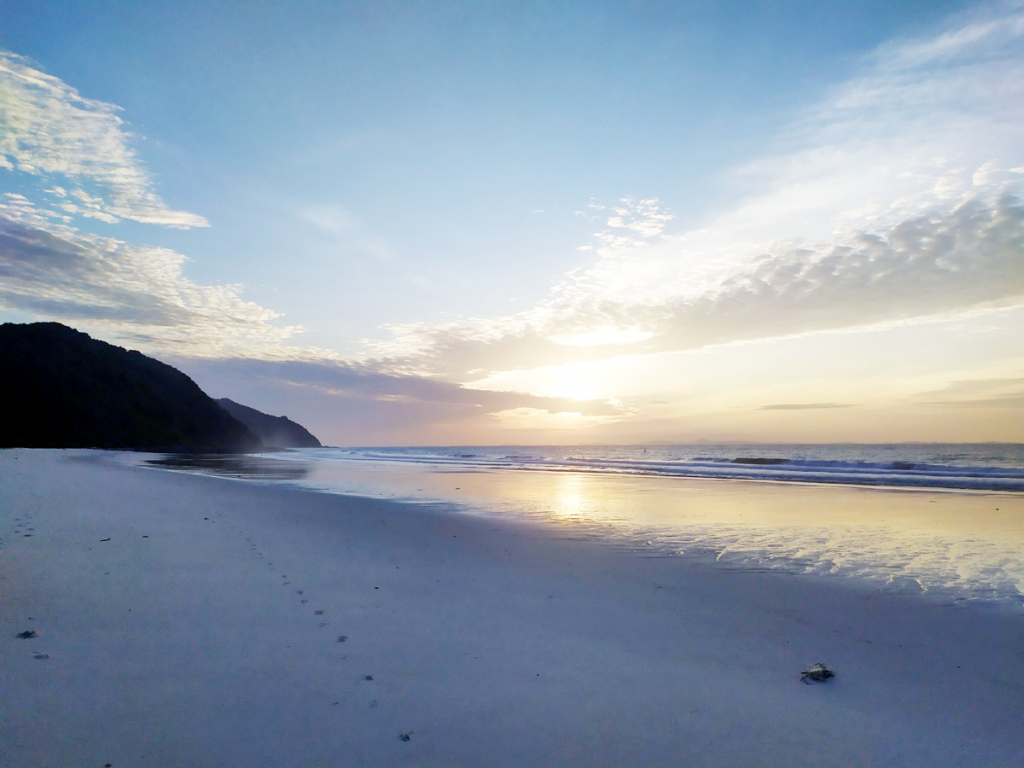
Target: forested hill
x,y
63,389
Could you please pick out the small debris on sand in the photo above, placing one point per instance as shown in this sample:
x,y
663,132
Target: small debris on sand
x,y
404,736
28,633
318,613
368,677
41,656
106,539
819,673
342,638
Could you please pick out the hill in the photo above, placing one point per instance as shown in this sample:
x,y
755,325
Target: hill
x,y
274,431
63,389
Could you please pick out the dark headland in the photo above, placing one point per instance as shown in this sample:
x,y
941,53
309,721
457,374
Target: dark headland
x,y
63,389
274,431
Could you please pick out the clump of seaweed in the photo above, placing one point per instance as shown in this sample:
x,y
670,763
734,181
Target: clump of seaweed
x,y
818,673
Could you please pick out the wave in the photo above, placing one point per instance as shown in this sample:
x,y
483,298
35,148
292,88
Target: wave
x,y
913,467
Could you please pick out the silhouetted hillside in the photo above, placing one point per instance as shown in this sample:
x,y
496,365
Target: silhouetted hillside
x,y
62,389
274,431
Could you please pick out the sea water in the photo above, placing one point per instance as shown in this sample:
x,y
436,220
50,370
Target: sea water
x,y
943,521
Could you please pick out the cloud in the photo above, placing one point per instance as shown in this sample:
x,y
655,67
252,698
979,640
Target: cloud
x,y
135,294
48,129
969,257
977,393
803,406
895,199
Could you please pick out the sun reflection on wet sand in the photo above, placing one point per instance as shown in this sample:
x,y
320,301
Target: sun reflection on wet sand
x,y
957,545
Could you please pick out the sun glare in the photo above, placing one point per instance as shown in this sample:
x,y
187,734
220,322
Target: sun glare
x,y
574,382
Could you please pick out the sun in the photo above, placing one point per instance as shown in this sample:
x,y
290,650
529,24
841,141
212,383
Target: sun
x,y
574,382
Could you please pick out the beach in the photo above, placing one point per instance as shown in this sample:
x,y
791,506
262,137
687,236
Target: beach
x,y
184,620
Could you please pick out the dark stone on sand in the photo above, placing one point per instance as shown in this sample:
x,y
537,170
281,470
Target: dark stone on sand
x,y
368,677
64,389
819,673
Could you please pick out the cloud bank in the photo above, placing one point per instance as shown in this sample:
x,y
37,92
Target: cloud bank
x,y
48,129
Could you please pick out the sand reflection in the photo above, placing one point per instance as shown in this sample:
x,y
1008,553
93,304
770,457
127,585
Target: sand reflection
x,y
954,545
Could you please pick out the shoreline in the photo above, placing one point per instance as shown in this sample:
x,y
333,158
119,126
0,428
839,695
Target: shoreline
x,y
490,641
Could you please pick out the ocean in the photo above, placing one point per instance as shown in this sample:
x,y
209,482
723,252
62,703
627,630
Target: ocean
x,y
985,466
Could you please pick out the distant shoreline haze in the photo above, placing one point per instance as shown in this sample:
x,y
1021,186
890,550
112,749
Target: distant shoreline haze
x,y
274,431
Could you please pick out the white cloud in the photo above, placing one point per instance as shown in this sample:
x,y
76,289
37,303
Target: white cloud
x,y
48,129
135,294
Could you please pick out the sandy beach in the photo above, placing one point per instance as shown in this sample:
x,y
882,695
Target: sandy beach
x,y
183,620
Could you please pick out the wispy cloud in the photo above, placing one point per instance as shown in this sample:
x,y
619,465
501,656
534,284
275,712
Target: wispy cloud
x,y
48,129
977,393
341,226
893,200
804,406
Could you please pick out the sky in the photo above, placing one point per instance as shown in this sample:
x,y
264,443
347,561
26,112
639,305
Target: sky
x,y
405,223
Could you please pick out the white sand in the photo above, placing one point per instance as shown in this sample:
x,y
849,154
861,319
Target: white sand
x,y
489,643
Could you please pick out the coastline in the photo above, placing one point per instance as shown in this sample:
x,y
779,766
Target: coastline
x,y
489,641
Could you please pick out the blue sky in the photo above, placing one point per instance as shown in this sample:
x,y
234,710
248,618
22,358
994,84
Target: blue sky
x,y
389,209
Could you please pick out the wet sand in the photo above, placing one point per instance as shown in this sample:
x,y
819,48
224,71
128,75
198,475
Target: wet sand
x,y
188,620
